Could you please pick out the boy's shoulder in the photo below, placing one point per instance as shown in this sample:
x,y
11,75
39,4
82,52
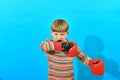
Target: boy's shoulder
x,y
72,41
53,40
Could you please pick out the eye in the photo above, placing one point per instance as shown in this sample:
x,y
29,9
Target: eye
x,y
61,34
56,34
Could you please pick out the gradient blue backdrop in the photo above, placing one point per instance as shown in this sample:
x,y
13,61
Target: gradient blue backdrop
x,y
24,24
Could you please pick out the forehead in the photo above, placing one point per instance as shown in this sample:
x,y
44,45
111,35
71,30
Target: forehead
x,y
59,32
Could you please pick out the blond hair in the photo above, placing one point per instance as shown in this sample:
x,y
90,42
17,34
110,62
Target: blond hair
x,y
59,25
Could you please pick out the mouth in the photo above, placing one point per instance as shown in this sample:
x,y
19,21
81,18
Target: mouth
x,y
59,40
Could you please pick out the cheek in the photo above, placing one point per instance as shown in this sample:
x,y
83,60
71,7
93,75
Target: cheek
x,y
55,37
63,37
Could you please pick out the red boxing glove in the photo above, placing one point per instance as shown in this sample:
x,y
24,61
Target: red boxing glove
x,y
97,67
73,50
68,46
58,45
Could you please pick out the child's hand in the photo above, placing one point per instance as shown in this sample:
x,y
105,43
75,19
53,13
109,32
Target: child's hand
x,y
58,46
97,66
69,47
66,46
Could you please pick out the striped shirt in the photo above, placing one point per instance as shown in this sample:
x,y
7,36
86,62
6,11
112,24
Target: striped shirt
x,y
60,65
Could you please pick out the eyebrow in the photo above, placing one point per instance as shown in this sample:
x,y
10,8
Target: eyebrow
x,y
62,33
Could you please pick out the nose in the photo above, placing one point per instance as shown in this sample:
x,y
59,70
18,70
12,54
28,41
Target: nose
x,y
59,38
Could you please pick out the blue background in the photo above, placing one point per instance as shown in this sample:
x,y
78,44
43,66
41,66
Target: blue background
x,y
24,24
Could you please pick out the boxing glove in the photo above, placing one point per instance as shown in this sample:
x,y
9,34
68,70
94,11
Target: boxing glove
x,y
97,67
58,45
72,50
69,47
66,46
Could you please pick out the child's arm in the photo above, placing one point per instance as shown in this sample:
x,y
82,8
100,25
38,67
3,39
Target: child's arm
x,y
96,65
47,46
82,57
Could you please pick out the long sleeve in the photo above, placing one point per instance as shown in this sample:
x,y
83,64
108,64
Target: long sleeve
x,y
47,46
82,57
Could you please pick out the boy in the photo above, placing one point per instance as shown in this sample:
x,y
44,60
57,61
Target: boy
x,y
60,53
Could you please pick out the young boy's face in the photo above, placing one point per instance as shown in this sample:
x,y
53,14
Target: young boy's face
x,y
59,36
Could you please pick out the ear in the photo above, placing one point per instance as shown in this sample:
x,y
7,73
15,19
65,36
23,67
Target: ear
x,y
51,32
67,33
